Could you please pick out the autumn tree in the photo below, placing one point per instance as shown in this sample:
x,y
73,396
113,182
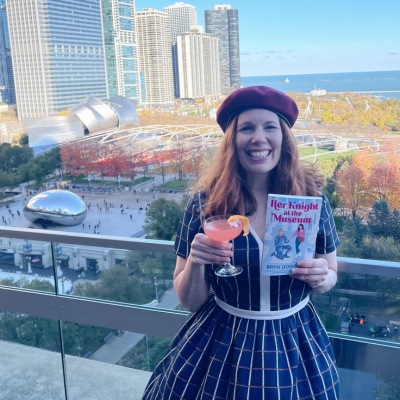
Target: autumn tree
x,y
350,185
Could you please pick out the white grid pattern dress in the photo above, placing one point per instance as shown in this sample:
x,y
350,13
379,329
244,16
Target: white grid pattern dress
x,y
220,355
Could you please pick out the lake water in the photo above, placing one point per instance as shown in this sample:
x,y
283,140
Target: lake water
x,y
385,84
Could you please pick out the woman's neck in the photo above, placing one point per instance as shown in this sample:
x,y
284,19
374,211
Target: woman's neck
x,y
258,184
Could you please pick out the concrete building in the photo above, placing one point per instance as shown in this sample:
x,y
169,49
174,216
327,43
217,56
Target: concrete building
x,y
198,64
223,22
58,54
120,48
155,61
181,17
7,89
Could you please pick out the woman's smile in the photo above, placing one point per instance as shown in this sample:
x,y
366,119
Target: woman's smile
x,y
258,140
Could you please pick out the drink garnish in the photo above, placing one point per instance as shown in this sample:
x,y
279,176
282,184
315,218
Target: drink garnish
x,y
244,222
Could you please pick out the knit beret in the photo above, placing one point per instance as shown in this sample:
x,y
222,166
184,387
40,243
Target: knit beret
x,y
257,97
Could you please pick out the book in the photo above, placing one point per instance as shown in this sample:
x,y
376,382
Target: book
x,y
291,229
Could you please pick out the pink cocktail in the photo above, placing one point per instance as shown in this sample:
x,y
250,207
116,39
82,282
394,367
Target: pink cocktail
x,y
219,229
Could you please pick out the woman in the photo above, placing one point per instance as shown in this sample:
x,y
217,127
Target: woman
x,y
251,336
300,234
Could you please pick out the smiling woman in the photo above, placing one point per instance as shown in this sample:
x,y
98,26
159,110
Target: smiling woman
x,y
253,335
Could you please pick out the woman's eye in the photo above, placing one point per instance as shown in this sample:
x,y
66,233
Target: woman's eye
x,y
245,129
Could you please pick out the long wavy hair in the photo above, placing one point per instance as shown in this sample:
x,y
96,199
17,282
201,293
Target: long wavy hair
x,y
225,184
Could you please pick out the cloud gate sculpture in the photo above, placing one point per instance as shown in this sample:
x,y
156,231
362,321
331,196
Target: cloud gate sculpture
x,y
59,206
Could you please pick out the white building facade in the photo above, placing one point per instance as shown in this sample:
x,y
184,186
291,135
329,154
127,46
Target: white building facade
x,y
154,55
181,17
198,64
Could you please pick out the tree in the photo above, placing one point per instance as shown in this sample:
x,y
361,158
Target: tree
x,y
116,284
162,219
380,248
352,238
383,183
350,185
382,222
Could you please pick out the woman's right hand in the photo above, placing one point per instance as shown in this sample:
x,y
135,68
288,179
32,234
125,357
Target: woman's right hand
x,y
207,251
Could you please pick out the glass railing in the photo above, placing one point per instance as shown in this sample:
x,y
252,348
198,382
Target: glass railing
x,y
94,314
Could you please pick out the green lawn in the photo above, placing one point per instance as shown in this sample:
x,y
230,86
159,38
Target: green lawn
x,y
322,154
82,180
175,184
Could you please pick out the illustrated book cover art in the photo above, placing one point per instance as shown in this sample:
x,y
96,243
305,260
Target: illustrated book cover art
x,y
291,229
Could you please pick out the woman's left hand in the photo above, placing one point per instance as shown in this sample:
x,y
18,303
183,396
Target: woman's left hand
x,y
314,272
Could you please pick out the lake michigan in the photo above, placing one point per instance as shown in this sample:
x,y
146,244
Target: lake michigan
x,y
385,84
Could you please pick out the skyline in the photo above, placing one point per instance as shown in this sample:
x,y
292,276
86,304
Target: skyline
x,y
307,38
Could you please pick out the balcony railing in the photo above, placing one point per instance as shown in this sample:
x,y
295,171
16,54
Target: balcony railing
x,y
365,362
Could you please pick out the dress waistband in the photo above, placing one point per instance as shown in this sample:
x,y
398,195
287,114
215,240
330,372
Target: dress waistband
x,y
249,314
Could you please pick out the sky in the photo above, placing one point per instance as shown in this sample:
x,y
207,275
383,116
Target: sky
x,y
290,37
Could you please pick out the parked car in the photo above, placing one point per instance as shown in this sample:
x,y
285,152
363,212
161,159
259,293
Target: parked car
x,y
379,330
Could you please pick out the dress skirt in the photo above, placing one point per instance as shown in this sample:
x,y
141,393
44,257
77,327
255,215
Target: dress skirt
x,y
217,355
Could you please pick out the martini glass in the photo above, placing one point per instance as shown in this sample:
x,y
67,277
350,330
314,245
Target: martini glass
x,y
219,229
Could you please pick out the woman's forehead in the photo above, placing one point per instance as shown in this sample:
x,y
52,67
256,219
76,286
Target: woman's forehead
x,y
258,114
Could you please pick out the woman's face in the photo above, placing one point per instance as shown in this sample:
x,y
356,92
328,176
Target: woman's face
x,y
258,140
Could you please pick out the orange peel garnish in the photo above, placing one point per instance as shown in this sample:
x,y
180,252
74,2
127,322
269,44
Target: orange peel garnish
x,y
244,221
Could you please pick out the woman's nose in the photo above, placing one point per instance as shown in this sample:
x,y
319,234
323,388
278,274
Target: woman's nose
x,y
258,135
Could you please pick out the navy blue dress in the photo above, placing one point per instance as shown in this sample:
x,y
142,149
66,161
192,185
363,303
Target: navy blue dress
x,y
223,355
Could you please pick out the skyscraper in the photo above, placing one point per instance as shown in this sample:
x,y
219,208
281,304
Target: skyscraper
x,y
223,21
198,60
7,89
154,54
181,17
120,48
57,53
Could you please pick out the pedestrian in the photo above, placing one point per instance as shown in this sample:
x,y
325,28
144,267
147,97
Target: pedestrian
x,y
251,336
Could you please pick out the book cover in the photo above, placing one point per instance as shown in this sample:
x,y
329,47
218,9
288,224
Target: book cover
x,y
291,229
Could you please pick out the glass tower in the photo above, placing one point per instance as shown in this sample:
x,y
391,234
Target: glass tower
x,y
57,51
181,17
120,48
7,90
223,22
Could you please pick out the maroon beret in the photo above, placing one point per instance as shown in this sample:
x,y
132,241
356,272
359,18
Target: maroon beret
x,y
257,97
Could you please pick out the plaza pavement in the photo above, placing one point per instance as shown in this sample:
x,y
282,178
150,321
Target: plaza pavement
x,y
113,222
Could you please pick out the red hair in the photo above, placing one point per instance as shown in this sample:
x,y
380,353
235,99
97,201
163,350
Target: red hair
x,y
225,183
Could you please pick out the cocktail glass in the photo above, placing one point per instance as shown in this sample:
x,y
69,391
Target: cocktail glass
x,y
219,229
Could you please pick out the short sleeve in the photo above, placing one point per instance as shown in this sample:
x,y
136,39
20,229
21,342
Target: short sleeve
x,y
327,237
189,226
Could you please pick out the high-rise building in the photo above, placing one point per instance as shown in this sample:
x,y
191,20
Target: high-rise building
x,y
223,21
120,48
198,60
154,54
7,89
58,54
181,17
